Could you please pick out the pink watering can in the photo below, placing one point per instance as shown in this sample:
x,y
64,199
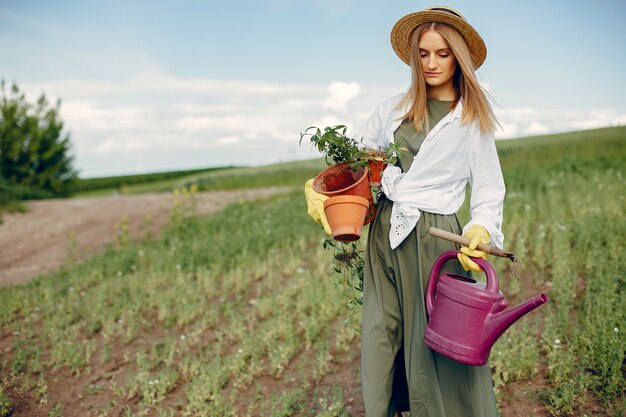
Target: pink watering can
x,y
466,317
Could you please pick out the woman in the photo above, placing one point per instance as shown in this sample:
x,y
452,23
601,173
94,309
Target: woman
x,y
446,123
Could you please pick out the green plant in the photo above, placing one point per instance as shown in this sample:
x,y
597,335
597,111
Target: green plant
x,y
389,155
5,404
56,411
332,406
348,270
34,151
335,145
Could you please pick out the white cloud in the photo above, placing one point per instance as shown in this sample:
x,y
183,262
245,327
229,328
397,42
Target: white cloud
x,y
536,128
158,121
229,140
89,115
509,130
599,118
528,121
194,123
160,83
340,95
106,146
109,146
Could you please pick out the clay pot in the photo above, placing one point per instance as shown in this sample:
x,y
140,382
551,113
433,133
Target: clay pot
x,y
376,171
346,215
341,179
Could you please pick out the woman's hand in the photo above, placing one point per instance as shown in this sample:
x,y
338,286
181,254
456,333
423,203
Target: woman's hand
x,y
315,205
476,234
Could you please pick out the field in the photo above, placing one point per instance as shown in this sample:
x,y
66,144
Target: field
x,y
236,314
98,186
55,232
284,174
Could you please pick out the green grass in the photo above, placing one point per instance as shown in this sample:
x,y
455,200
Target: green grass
x,y
12,206
206,310
122,182
11,197
563,217
202,320
283,174
161,186
5,404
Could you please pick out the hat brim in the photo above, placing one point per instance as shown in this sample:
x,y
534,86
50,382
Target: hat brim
x,y
403,31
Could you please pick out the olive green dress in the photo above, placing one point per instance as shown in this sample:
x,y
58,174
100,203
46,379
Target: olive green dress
x,y
399,372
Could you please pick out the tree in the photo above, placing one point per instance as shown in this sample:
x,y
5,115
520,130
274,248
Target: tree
x,y
34,152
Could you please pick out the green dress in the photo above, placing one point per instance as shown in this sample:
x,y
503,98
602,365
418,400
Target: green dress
x,y
399,372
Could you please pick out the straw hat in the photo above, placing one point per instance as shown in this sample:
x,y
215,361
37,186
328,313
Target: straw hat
x,y
404,28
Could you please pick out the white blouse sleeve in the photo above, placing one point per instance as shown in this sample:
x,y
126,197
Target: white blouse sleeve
x,y
487,187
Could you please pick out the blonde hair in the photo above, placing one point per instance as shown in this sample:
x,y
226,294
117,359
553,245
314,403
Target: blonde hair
x,y
466,85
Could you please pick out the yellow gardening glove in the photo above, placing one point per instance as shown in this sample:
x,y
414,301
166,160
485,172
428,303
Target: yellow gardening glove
x,y
476,234
315,205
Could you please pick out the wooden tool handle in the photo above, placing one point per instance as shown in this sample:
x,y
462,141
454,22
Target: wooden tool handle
x,y
492,250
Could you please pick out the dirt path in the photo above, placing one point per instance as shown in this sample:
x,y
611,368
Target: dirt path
x,y
40,240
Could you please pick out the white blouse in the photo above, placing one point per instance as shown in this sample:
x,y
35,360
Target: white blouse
x,y
452,155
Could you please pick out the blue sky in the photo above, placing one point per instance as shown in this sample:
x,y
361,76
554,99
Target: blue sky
x,y
159,85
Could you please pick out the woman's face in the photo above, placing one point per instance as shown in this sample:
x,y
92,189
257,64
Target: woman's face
x,y
438,62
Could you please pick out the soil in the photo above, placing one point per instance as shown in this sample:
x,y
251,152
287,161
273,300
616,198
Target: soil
x,y
51,231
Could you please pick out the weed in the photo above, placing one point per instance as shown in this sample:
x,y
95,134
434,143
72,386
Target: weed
x,y
121,229
288,403
5,404
56,411
334,406
71,249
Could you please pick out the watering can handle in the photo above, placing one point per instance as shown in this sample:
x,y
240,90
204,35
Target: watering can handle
x,y
492,280
492,250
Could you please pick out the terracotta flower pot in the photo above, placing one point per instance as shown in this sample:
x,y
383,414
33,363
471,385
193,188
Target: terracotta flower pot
x,y
346,215
376,171
341,179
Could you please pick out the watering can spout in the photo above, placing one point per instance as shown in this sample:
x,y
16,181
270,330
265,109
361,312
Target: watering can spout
x,y
501,321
